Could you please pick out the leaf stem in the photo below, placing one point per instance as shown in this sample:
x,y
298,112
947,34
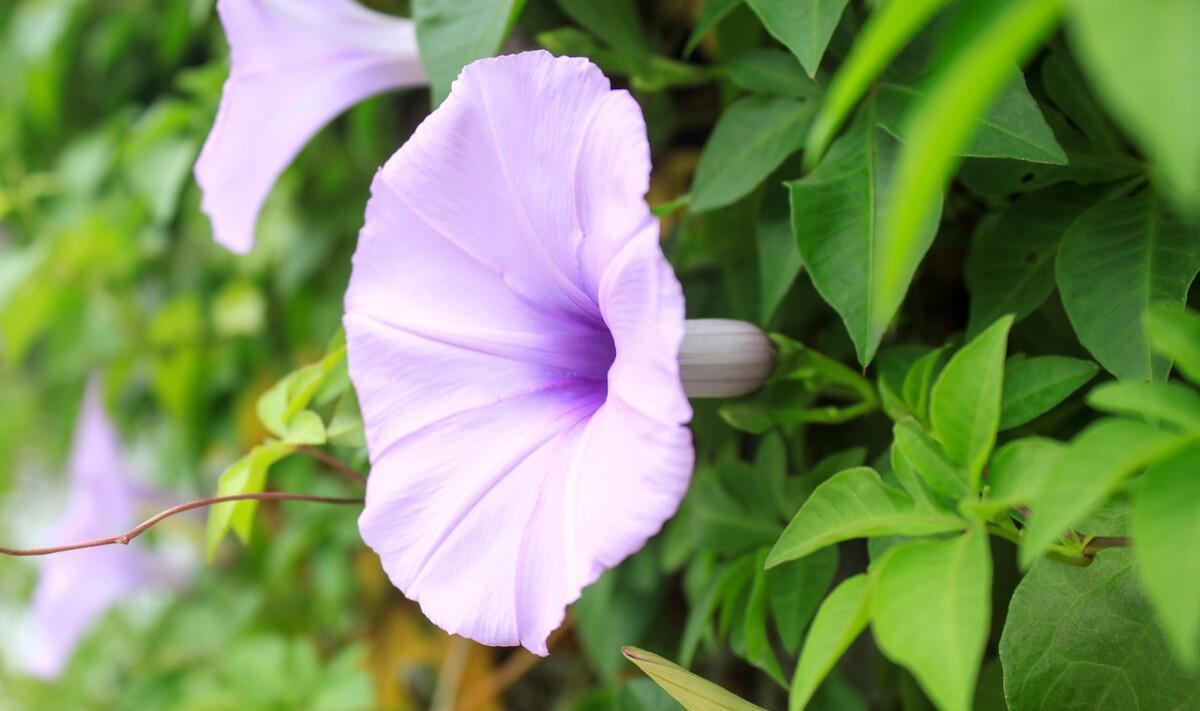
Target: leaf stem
x,y
126,538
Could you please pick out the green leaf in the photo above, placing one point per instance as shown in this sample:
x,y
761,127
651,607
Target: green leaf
x,y
1169,402
1119,257
1095,464
796,589
965,405
1010,268
803,26
752,138
615,22
855,504
1086,638
992,37
286,399
453,33
837,211
1138,57
928,460
691,691
841,619
714,11
881,39
247,475
1175,333
930,611
1032,386
1012,128
732,578
770,71
778,257
1166,526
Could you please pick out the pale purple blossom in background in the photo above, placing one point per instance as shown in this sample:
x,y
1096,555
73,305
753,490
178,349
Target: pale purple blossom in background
x,y
76,588
513,327
295,65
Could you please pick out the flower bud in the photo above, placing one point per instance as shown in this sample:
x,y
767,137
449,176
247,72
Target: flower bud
x,y
724,358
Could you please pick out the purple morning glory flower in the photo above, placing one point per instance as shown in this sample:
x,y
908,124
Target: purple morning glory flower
x,y
296,64
76,588
513,328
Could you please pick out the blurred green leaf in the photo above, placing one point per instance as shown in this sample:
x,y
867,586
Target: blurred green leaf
x,y
1165,525
992,36
453,33
752,138
756,634
1135,55
247,475
1097,461
613,21
770,71
1175,333
796,589
1019,469
803,26
855,504
1117,259
710,16
930,612
837,214
965,405
1167,403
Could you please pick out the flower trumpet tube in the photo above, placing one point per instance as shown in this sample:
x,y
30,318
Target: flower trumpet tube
x,y
724,358
295,65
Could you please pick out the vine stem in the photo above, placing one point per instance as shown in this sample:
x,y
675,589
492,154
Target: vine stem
x,y
125,538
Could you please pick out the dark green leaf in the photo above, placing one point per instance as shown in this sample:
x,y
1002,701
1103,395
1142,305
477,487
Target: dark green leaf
x,y
796,589
453,33
1032,386
613,21
752,138
837,213
771,71
1118,258
803,26
714,11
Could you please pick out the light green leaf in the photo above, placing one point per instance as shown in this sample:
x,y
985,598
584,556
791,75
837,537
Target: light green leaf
x,y
1018,470
247,475
293,393
919,381
930,611
453,33
1169,402
1095,464
1032,386
1140,58
803,26
752,138
1175,333
992,37
837,213
965,405
796,589
928,460
691,691
856,504
305,427
1119,257
841,619
1086,638
1010,268
1166,528
714,11
1012,128
881,39
770,71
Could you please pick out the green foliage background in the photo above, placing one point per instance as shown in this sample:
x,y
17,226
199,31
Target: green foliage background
x,y
987,269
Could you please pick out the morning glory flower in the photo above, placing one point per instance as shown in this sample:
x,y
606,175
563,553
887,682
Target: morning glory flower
x,y
513,330
295,65
76,588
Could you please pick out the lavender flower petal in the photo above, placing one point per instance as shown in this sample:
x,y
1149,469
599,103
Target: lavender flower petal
x,y
296,64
